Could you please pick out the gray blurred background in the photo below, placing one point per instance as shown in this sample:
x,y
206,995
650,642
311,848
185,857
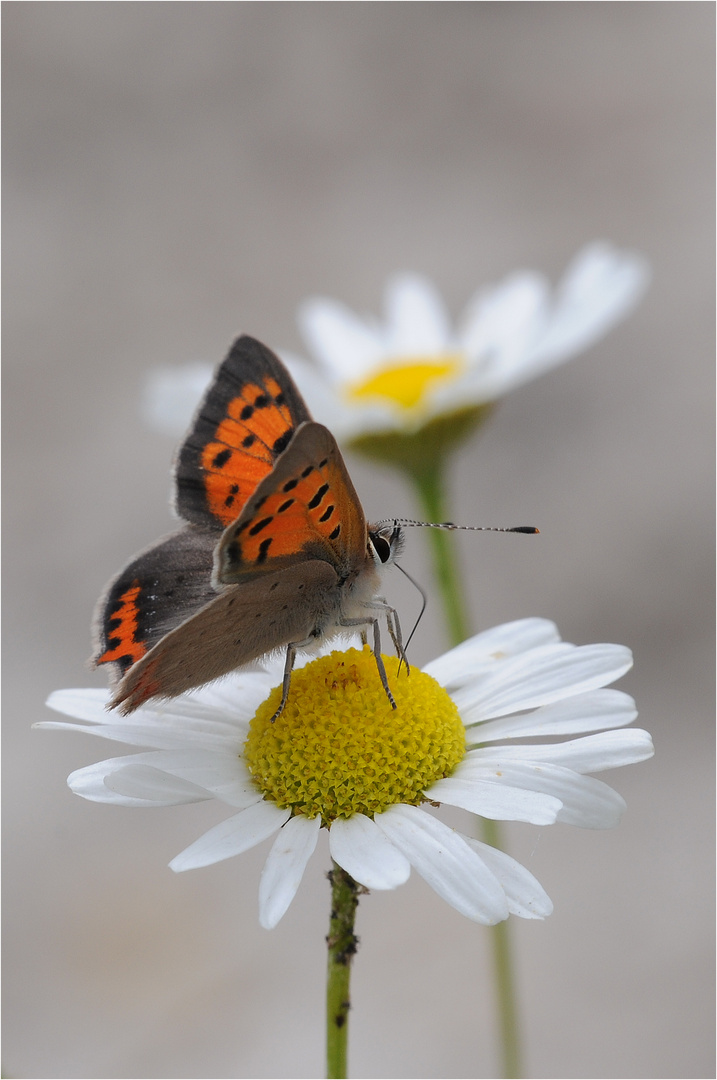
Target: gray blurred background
x,y
178,172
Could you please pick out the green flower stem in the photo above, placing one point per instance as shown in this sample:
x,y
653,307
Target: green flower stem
x,y
431,487
506,999
342,943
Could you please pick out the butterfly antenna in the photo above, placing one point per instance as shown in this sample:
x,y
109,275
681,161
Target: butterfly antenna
x,y
407,523
420,614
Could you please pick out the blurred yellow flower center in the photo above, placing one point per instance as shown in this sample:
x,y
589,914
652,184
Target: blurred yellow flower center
x,y
338,747
406,383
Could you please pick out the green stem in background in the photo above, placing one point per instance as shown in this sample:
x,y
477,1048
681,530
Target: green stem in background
x,y
342,943
431,488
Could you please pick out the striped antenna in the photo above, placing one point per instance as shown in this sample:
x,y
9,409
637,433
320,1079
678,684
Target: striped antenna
x,y
406,522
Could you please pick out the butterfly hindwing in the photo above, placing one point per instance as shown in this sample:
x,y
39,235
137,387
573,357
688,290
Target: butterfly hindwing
x,y
155,592
239,625
305,509
247,418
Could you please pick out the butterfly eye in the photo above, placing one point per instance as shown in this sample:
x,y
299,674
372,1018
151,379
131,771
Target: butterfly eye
x,y
381,547
385,543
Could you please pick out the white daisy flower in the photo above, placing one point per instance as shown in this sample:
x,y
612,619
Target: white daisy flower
x,y
339,757
415,367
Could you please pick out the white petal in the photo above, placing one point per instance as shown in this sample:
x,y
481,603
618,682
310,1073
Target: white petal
x,y
416,317
223,775
233,699
582,801
482,795
525,895
589,803
171,396
458,665
233,836
284,867
143,785
325,401
593,711
82,703
209,719
500,324
94,782
443,858
344,345
605,750
161,736
599,288
541,676
358,845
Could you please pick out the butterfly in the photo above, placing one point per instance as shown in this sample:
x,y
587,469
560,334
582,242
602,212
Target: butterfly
x,y
275,551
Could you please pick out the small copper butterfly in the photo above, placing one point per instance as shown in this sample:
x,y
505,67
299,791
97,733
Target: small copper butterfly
x,y
275,552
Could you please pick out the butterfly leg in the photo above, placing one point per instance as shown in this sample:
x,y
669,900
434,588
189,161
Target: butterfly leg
x,y
288,668
394,629
376,649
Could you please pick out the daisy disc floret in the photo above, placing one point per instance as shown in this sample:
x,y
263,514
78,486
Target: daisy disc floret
x,y
468,732
339,749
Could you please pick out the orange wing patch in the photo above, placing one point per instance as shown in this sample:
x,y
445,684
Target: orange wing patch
x,y
258,426
247,418
283,523
122,629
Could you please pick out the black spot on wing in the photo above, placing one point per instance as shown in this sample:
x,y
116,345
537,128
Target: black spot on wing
x,y
314,502
283,441
260,525
221,458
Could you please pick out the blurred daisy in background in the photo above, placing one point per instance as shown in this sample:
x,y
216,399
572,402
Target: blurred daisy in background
x,y
398,375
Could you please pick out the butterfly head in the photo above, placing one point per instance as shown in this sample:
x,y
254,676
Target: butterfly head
x,y
385,542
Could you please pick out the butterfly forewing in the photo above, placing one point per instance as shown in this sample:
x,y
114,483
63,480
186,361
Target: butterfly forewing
x,y
306,508
245,421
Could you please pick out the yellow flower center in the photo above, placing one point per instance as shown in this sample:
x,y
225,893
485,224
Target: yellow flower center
x,y
338,747
406,383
